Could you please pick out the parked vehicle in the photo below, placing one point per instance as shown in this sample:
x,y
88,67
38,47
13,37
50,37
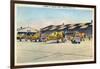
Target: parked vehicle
x,y
76,40
78,37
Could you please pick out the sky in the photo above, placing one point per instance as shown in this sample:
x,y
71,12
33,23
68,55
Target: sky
x,y
39,17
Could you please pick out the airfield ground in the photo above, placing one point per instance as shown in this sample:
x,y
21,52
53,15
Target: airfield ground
x,y
34,52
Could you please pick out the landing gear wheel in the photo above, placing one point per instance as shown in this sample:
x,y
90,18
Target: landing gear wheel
x,y
57,41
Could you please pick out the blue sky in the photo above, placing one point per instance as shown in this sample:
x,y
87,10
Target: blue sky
x,y
36,15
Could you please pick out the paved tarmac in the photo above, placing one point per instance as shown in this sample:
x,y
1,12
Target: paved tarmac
x,y
34,52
